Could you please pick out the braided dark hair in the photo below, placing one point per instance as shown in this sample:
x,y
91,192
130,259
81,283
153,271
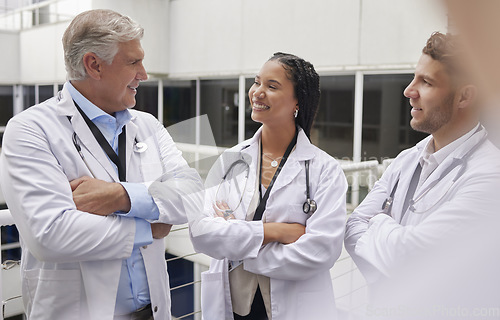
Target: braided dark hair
x,y
306,86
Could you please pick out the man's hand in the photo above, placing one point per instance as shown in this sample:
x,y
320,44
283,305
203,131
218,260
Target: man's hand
x,y
283,232
99,197
160,230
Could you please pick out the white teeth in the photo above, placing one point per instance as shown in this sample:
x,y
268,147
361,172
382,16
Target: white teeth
x,y
260,106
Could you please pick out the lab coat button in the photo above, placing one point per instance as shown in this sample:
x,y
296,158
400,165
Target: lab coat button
x,y
156,308
144,247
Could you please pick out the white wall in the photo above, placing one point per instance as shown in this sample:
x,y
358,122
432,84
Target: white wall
x,y
232,37
152,15
395,31
41,54
192,38
10,56
40,57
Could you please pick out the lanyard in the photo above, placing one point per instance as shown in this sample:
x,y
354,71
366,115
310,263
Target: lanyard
x,y
118,160
262,204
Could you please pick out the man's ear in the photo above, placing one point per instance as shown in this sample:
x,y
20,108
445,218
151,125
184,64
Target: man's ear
x,y
93,65
467,96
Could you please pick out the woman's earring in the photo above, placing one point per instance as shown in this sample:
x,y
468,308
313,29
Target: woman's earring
x,y
296,113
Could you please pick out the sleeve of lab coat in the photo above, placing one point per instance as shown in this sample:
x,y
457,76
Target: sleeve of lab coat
x,y
232,239
180,189
39,197
357,224
386,244
321,245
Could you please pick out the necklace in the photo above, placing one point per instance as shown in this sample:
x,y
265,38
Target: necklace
x,y
274,163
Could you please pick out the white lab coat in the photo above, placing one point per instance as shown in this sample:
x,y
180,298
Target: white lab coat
x,y
71,260
300,282
431,248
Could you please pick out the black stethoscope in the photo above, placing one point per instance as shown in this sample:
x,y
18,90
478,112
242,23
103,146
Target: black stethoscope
x,y
309,206
139,147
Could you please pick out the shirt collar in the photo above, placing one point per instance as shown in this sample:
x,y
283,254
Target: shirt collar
x,y
93,112
438,157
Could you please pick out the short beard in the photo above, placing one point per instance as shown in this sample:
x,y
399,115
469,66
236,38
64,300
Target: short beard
x,y
438,118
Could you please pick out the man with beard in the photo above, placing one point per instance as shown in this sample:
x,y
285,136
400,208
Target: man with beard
x,y
415,236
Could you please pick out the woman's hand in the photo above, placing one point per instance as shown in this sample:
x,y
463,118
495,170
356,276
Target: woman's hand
x,y
284,233
222,210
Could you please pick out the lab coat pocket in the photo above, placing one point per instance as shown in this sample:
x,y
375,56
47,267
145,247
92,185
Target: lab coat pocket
x,y
150,162
212,295
55,290
295,214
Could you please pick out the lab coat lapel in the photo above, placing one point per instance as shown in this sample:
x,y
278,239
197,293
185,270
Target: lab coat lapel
x,y
250,151
66,107
459,153
406,172
132,129
89,142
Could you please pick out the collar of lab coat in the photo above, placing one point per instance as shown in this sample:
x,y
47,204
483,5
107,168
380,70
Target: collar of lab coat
x,y
459,153
66,107
304,150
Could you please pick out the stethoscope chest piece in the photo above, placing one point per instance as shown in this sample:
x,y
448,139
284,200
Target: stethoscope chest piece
x,y
309,206
140,147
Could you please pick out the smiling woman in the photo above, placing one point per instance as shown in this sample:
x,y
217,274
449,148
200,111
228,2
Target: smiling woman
x,y
257,224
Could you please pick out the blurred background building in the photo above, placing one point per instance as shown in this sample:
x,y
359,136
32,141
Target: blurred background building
x,y
202,56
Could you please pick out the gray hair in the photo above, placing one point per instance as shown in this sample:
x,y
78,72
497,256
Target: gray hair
x,y
97,31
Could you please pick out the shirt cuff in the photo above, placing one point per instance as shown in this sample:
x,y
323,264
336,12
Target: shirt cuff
x,y
142,204
143,234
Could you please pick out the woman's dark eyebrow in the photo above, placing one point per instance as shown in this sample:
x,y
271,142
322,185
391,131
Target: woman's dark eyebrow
x,y
273,81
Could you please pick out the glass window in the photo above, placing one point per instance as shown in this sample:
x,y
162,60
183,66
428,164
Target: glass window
x,y
45,92
334,125
28,96
179,101
147,97
180,272
386,117
219,100
6,106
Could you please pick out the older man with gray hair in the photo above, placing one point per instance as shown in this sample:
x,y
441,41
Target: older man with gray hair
x,y
93,186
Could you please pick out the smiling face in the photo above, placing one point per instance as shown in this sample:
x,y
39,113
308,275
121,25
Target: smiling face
x,y
272,96
431,95
120,79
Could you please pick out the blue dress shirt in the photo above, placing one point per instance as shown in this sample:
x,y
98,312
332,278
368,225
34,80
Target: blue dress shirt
x,y
133,289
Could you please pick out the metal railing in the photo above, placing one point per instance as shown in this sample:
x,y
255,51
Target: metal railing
x,y
23,16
